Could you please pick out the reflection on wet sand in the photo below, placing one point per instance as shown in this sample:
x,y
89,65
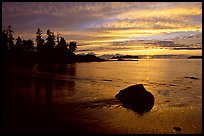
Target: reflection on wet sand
x,y
48,89
25,96
46,98
61,69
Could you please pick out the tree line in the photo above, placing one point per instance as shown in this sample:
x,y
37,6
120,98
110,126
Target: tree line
x,y
53,47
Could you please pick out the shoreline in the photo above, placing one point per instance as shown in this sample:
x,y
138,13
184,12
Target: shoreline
x,y
35,105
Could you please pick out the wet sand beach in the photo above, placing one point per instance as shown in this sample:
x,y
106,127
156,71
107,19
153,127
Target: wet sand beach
x,y
21,118
82,101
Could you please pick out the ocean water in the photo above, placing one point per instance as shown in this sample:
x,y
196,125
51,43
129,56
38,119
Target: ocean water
x,y
87,91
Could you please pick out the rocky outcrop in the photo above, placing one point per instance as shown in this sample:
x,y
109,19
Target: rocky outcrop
x,y
137,98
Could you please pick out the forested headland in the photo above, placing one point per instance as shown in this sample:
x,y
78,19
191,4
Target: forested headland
x,y
53,49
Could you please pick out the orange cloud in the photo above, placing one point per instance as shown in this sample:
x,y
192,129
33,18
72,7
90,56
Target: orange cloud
x,y
99,24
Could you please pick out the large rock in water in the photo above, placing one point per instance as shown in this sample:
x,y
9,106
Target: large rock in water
x,y
137,98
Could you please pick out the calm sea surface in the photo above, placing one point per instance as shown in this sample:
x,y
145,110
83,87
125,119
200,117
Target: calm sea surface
x,y
87,90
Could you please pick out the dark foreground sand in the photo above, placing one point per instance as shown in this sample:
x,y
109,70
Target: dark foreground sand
x,y
29,122
20,117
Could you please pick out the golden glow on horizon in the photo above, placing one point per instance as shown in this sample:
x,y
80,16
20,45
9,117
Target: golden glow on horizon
x,y
109,23
151,52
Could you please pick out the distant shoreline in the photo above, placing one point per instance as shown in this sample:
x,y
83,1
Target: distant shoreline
x,y
195,57
138,57
121,60
30,57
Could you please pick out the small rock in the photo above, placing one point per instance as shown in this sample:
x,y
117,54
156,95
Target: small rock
x,y
177,128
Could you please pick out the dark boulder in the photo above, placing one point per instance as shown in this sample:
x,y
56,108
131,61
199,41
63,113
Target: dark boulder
x,y
137,98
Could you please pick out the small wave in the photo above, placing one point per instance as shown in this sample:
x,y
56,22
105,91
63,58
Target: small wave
x,y
96,104
162,84
177,105
102,103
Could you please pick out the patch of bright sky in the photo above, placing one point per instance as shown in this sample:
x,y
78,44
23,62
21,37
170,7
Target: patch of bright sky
x,y
150,52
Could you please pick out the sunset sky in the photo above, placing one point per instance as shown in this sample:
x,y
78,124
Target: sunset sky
x,y
112,27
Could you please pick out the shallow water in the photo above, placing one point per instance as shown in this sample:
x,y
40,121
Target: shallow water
x,y
87,91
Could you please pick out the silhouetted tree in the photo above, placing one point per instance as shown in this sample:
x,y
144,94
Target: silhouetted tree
x,y
19,44
61,49
72,47
39,40
58,41
7,38
63,44
50,44
10,37
28,45
24,45
58,38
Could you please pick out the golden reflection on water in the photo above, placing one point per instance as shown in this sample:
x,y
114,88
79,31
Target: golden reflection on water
x,y
88,91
